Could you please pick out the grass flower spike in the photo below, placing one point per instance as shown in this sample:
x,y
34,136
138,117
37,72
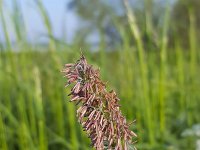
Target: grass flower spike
x,y
98,110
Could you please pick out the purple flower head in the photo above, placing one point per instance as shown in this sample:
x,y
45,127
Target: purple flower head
x,y
98,110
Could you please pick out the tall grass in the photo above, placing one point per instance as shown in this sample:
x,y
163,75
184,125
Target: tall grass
x,y
47,24
143,70
159,90
163,68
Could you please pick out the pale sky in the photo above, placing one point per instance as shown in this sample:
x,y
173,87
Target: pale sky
x,y
61,19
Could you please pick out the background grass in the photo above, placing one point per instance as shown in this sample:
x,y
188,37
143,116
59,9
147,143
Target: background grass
x,y
159,88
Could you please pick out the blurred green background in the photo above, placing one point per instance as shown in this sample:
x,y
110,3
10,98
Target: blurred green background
x,y
147,50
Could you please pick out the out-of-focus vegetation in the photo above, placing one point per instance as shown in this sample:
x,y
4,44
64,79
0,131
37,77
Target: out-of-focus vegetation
x,y
148,52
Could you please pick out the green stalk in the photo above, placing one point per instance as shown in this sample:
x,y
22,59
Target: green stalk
x,y
148,22
192,36
181,76
72,126
47,23
23,61
18,23
23,140
32,117
102,49
143,70
5,31
59,114
163,65
193,60
10,64
3,142
128,60
43,144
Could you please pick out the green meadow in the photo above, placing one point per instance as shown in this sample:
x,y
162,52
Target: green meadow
x,y
159,87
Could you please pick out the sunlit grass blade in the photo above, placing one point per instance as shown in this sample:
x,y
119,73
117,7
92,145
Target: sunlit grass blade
x,y
18,23
3,141
181,76
148,4
43,143
163,67
193,60
143,70
47,23
4,26
73,139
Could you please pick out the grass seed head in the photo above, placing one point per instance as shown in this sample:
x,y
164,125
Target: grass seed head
x,y
98,111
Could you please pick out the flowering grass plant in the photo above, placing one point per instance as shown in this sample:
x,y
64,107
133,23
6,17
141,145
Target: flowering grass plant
x,y
98,109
